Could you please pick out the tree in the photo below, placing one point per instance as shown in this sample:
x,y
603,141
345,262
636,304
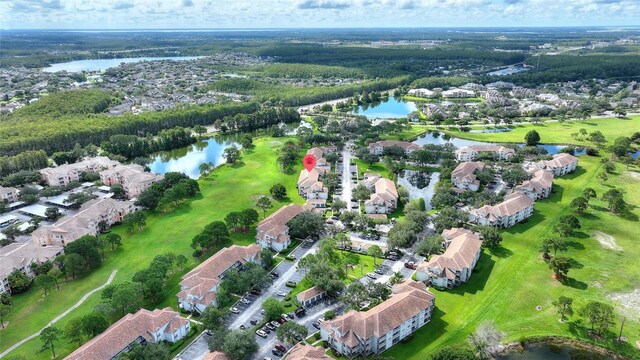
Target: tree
x,y
288,332
560,266
491,237
74,264
579,204
150,351
199,129
18,282
180,261
231,154
266,258
600,315
396,278
94,323
52,213
5,309
114,240
136,219
453,353
278,191
361,192
338,205
126,297
485,339
5,298
306,224
354,295
264,203
73,331
615,200
49,336
239,344
376,252
273,309
589,193
552,244
118,191
430,245
45,281
532,138
565,306
597,138
350,260
213,319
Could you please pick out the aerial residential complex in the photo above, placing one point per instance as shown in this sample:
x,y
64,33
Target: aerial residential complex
x,y
538,187
378,147
454,267
64,174
140,328
463,176
133,178
361,333
273,232
514,209
470,153
20,256
94,216
561,164
199,286
384,197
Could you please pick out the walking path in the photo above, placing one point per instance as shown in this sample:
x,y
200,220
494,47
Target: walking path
x,y
82,300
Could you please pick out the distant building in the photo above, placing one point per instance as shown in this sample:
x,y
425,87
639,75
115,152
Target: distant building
x,y
378,147
423,93
539,187
471,152
463,176
455,266
143,327
8,194
515,208
64,174
133,178
199,286
273,232
216,355
362,333
87,221
458,93
20,256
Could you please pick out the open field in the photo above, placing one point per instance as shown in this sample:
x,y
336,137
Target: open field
x,y
558,133
224,190
509,284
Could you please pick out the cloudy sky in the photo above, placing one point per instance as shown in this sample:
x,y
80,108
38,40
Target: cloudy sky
x,y
157,14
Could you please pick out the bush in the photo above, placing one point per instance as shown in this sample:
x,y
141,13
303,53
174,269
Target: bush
x,y
592,151
329,315
287,298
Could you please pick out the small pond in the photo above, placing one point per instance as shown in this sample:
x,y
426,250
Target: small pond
x,y
188,160
550,352
438,138
420,184
392,108
508,71
103,64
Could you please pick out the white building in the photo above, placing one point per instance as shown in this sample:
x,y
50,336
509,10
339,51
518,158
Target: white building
x,y
64,174
470,153
539,187
8,194
378,147
273,232
561,164
384,199
463,176
423,93
458,93
515,208
20,256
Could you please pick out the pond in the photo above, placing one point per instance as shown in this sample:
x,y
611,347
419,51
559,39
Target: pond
x,y
508,71
103,64
414,182
437,138
550,352
188,160
392,108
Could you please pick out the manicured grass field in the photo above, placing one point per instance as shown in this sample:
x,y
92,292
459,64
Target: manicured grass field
x,y
559,133
508,285
229,188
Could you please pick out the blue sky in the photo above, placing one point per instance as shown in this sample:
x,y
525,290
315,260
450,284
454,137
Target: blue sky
x,y
118,14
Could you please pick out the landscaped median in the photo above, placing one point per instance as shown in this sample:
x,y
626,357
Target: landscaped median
x,y
228,188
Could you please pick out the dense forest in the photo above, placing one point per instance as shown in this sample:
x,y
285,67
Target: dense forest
x,y
60,104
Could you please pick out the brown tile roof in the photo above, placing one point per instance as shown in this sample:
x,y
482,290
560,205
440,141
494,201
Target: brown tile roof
x,y
541,180
408,300
463,247
561,160
118,336
405,145
307,352
18,255
276,223
466,170
309,293
512,204
216,355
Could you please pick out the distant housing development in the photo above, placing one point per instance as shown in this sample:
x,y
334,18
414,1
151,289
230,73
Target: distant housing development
x,y
20,256
515,208
378,147
273,232
361,333
142,328
463,176
199,286
455,266
93,215
64,174
470,153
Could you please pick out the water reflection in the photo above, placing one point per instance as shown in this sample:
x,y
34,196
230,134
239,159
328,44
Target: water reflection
x,y
391,108
188,160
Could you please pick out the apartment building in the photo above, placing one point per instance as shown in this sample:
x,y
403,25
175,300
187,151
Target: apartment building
x,y
378,147
384,198
8,194
471,152
560,165
463,176
539,187
20,256
273,232
64,174
515,208
133,178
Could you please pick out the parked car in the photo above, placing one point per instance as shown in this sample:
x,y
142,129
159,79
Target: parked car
x,y
300,312
275,323
256,291
297,336
281,320
378,271
208,332
261,333
281,347
253,322
372,276
234,310
276,352
291,284
316,325
274,274
245,301
281,293
270,326
242,327
266,329
411,265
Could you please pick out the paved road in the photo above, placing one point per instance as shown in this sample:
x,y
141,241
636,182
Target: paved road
x,y
82,300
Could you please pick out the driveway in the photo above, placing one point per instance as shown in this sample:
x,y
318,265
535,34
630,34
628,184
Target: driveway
x,y
197,349
347,184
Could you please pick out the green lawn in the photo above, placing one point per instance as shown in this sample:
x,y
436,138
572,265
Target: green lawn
x,y
557,133
508,285
377,167
224,190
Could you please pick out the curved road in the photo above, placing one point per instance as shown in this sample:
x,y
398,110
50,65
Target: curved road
x,y
82,300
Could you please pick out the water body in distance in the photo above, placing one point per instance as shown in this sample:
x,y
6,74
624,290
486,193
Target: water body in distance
x,y
103,64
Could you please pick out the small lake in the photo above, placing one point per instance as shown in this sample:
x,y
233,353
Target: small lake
x,y
103,64
508,71
549,352
392,108
411,180
437,138
188,160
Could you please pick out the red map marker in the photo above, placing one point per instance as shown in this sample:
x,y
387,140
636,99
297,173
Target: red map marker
x,y
309,162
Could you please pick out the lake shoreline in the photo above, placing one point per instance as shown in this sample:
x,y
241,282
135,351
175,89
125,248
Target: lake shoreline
x,y
558,341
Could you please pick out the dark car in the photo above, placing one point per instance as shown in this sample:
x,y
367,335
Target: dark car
x,y
316,325
281,347
300,312
256,291
274,274
270,326
297,336
276,352
411,265
253,322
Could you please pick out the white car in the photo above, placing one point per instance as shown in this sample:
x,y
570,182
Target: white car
x,y
245,301
234,310
261,333
372,276
281,293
